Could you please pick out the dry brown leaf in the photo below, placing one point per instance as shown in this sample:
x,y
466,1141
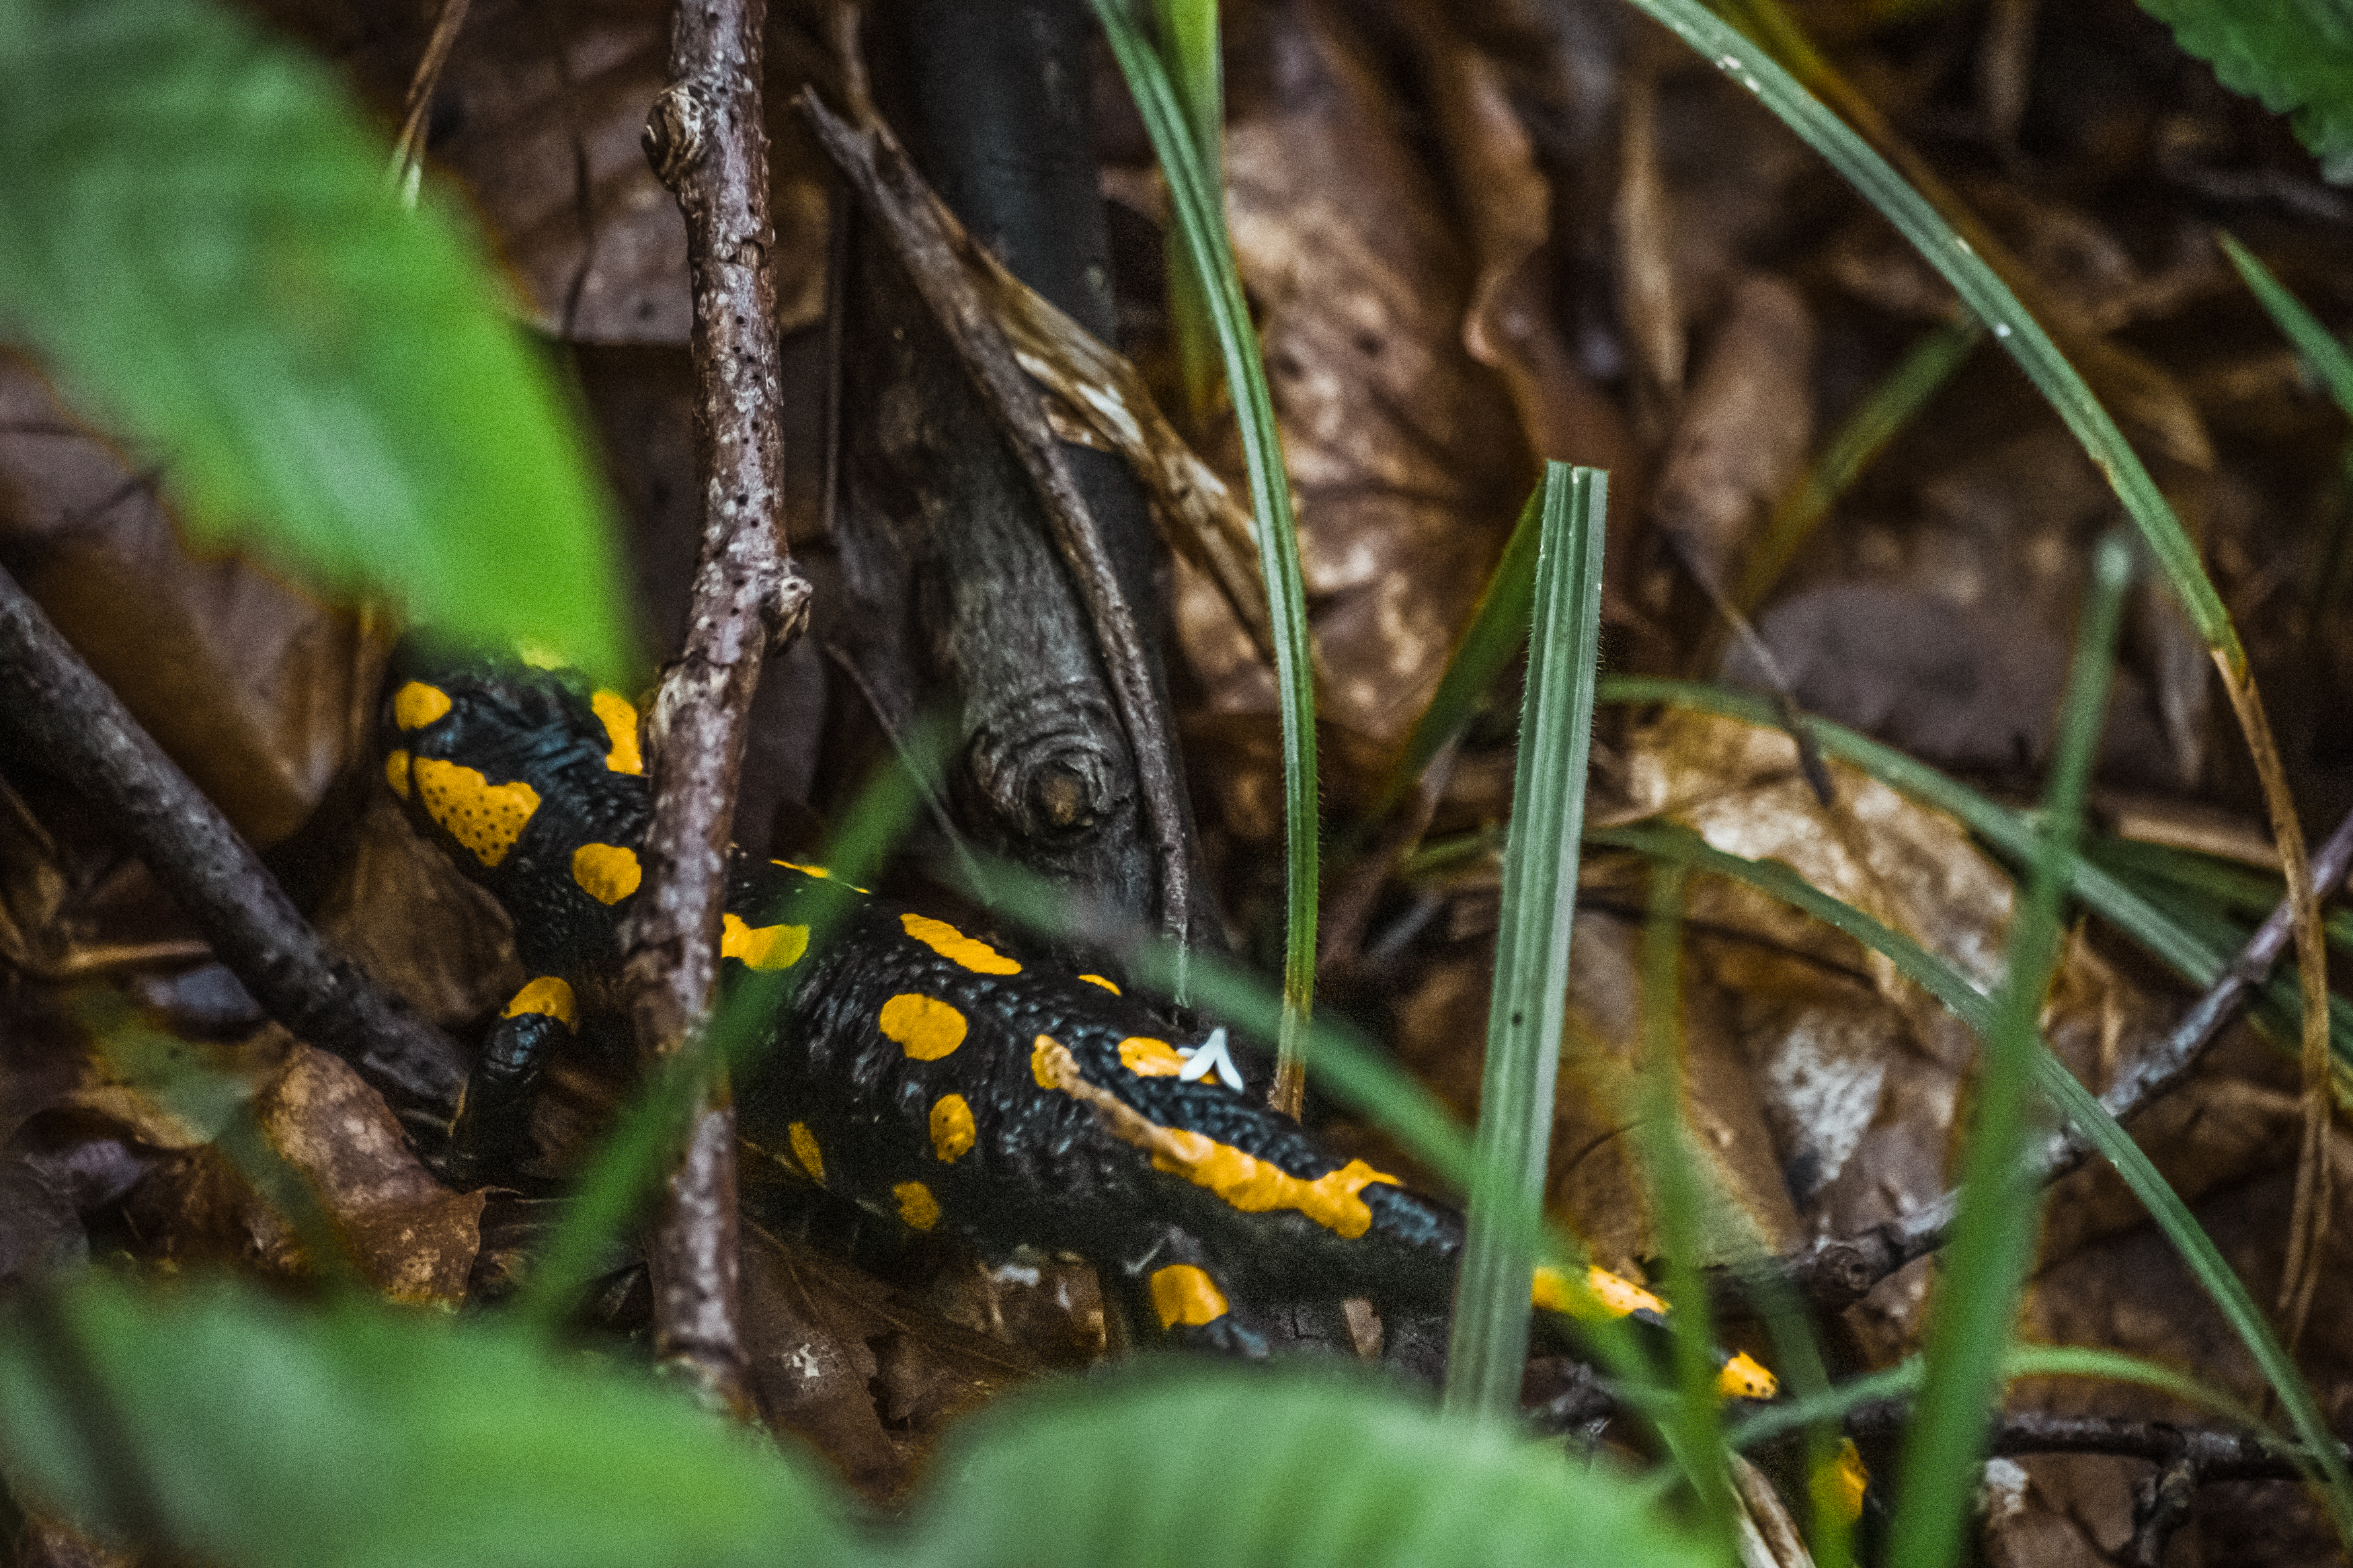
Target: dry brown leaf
x,y
1743,436
259,692
1403,450
870,1377
1859,1074
412,922
411,1237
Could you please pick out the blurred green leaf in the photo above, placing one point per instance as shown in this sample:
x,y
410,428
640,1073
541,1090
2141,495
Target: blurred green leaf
x,y
1217,1468
197,240
245,1430
2293,57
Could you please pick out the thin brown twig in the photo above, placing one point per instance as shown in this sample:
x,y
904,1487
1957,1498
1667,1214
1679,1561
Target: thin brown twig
x,y
708,143
2215,1455
1840,1271
79,729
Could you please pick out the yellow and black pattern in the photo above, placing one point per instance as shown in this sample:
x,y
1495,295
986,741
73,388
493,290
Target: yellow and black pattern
x,y
931,1075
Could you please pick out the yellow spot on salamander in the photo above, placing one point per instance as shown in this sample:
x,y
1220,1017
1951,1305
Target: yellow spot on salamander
x,y
804,1150
620,717
1742,1377
1099,979
395,772
1332,1200
1605,1295
957,948
1184,1294
925,1028
416,705
484,819
761,947
547,995
916,1205
606,872
1840,1482
952,1129
1147,1058
1255,1186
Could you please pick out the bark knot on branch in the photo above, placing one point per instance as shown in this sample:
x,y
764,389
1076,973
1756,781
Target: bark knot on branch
x,y
677,131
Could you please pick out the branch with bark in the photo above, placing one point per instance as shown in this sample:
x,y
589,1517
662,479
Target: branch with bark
x,y
68,718
708,143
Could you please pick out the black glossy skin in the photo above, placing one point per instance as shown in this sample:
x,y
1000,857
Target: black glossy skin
x,y
1045,1171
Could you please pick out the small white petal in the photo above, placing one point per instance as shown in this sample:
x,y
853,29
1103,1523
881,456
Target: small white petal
x,y
1210,1053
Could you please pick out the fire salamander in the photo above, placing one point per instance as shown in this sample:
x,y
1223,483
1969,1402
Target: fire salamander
x,y
927,1075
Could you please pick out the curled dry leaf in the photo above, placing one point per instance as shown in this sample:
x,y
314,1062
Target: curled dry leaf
x,y
1742,435
1508,204
411,1237
1859,1074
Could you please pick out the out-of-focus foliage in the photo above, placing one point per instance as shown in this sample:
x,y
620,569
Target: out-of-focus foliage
x,y
197,238
2295,55
241,1430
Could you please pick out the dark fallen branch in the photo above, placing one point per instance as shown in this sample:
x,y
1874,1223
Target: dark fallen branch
x,y
2213,1455
939,257
1836,1273
67,719
708,145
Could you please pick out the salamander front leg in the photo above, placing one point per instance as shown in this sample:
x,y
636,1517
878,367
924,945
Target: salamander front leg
x,y
492,1130
1173,1287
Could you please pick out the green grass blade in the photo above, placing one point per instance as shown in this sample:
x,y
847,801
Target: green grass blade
x,y
1946,984
1205,251
2329,359
1495,631
2001,1214
1189,43
1983,292
197,239
1488,1348
1893,403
